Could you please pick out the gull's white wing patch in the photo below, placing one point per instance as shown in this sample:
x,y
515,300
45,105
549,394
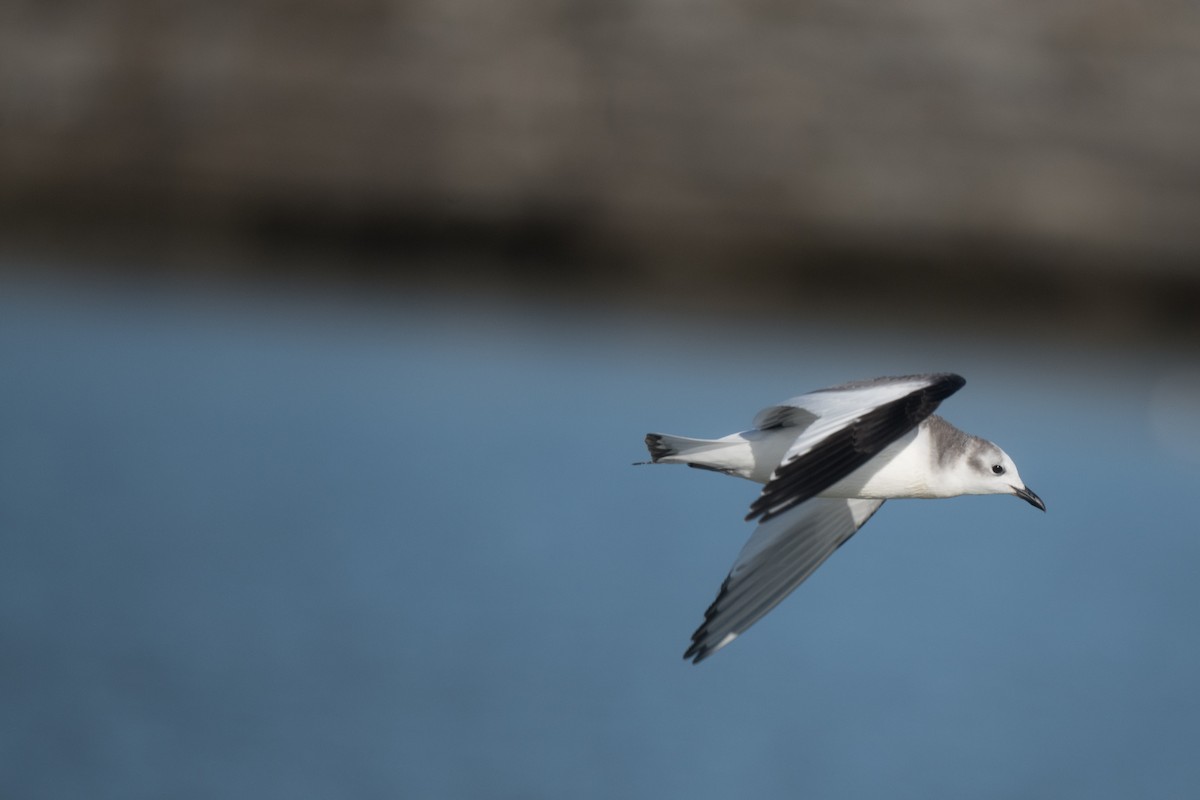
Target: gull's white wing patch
x,y
841,402
855,421
856,396
780,554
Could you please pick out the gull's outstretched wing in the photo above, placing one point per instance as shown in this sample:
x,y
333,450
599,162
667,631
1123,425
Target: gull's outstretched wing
x,y
854,422
780,554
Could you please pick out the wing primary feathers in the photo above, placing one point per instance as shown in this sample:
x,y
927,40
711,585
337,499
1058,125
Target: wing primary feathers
x,y
763,577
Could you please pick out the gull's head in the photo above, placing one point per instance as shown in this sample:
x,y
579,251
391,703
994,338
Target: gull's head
x,y
989,470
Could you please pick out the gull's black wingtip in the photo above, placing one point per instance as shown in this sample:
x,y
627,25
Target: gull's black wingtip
x,y
946,384
699,651
702,645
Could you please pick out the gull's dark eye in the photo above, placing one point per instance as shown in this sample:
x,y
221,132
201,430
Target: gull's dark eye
x,y
997,469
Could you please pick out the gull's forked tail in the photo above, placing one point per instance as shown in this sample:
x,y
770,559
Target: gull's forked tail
x,y
700,453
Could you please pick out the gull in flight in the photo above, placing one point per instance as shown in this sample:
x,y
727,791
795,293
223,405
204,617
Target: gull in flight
x,y
828,460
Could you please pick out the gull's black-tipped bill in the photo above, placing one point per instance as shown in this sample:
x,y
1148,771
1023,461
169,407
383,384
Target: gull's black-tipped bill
x,y
1027,494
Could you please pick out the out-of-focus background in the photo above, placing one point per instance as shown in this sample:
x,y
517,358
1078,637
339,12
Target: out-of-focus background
x,y
329,331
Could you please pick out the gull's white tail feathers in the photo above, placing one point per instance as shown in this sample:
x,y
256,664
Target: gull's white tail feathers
x,y
675,449
718,455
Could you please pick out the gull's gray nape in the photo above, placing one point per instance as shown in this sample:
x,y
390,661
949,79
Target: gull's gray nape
x,y
949,442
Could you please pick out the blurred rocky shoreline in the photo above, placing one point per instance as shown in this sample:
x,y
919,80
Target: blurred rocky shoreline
x,y
1044,158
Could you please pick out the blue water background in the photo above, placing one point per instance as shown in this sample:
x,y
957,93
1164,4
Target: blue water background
x,y
295,547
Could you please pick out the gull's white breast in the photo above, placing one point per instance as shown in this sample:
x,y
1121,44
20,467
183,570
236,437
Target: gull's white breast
x,y
905,468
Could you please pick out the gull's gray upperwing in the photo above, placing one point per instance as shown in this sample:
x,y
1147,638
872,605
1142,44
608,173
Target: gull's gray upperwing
x,y
854,422
780,554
